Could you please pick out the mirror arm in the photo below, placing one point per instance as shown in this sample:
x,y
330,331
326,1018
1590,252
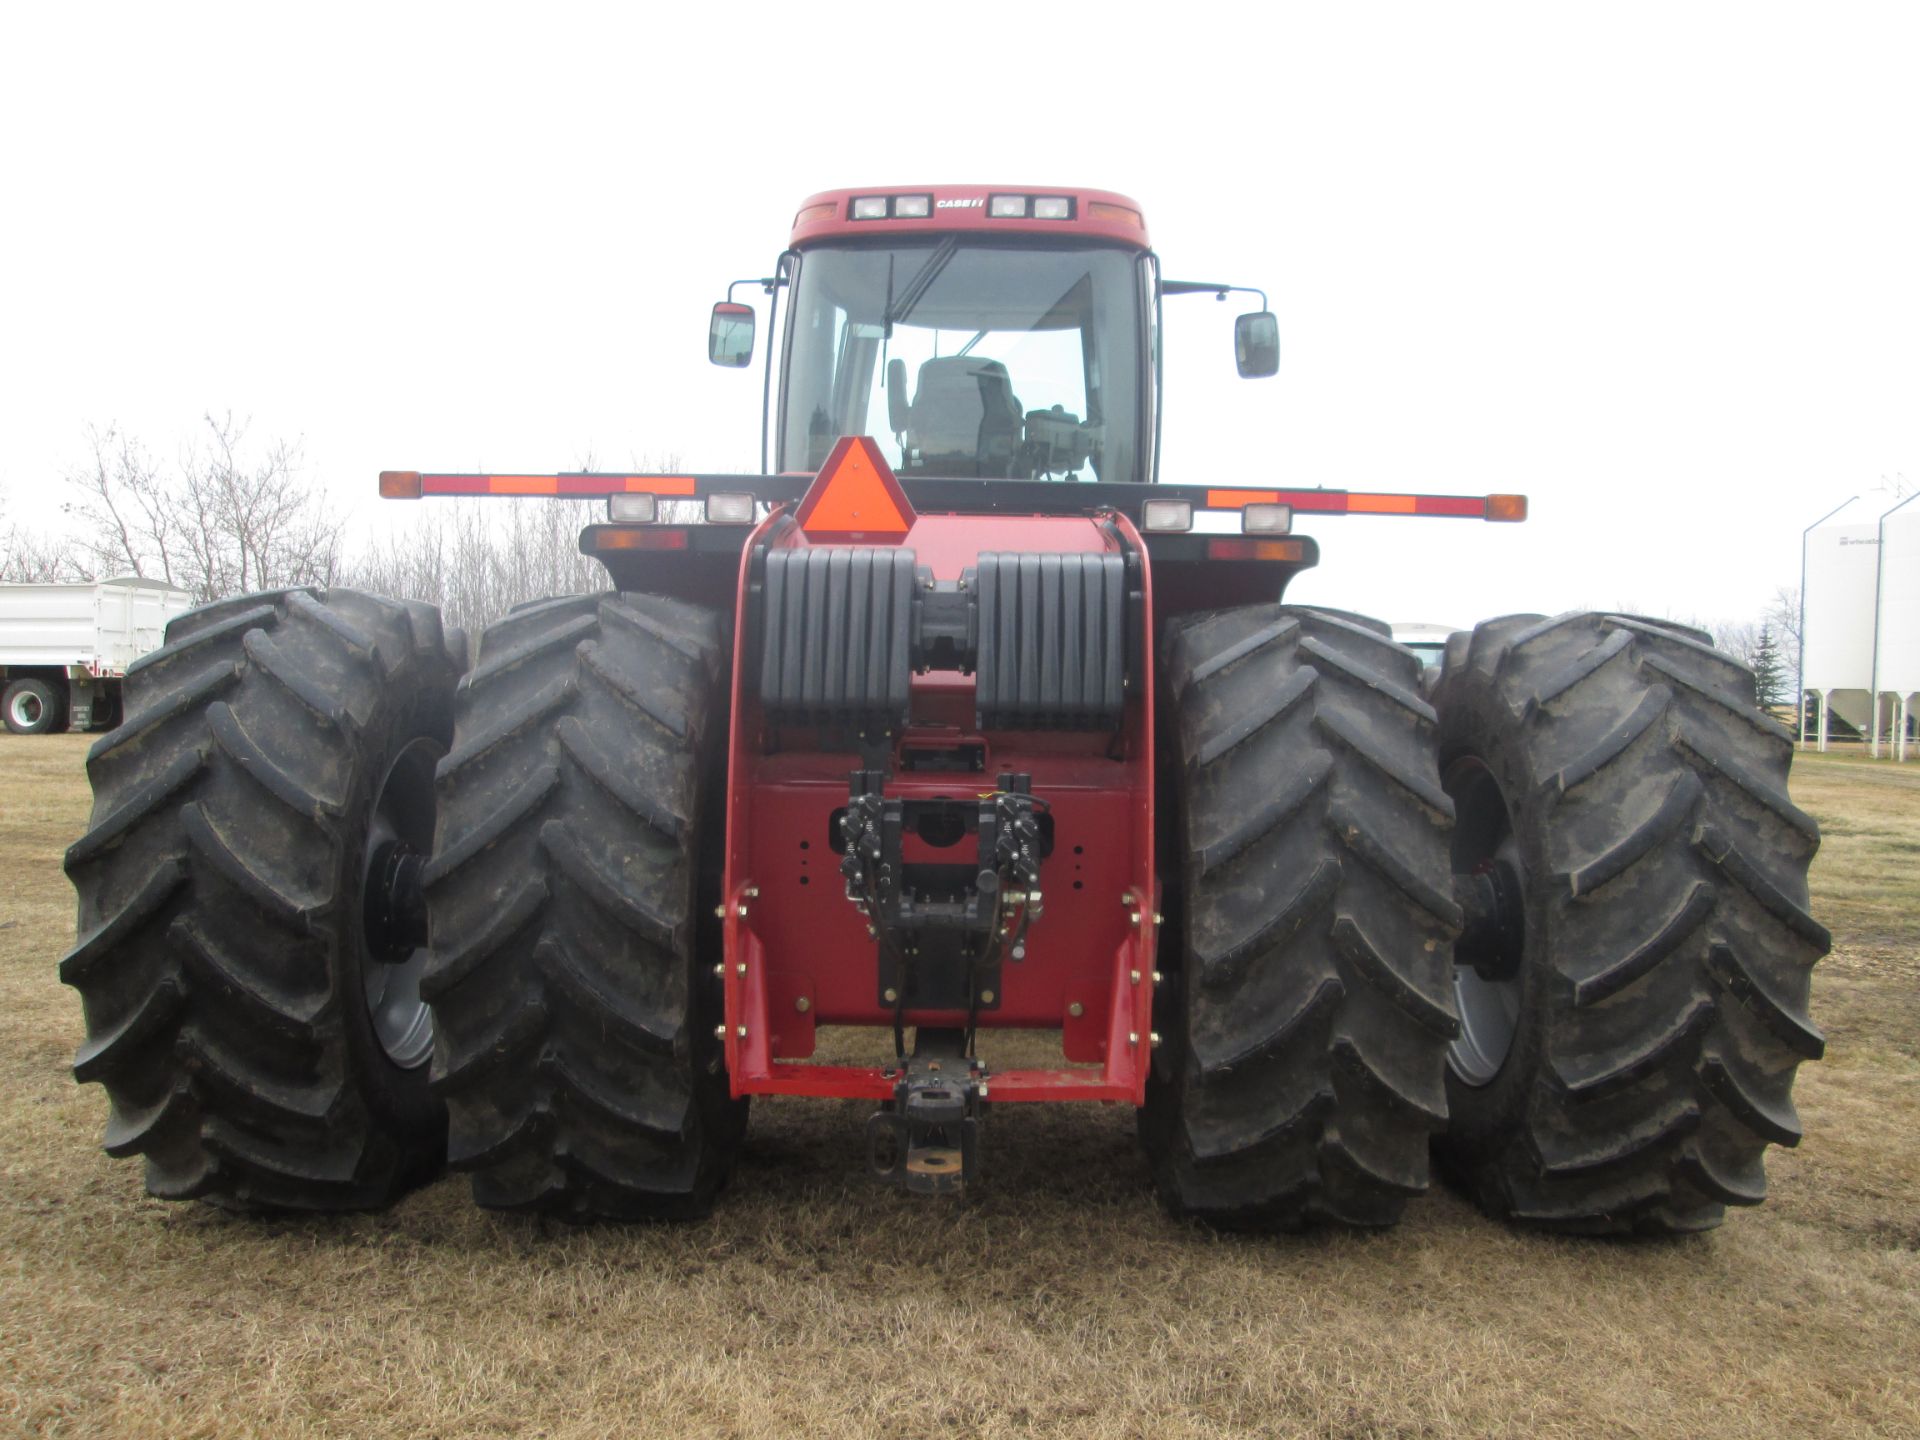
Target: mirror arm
x,y
767,284
1208,287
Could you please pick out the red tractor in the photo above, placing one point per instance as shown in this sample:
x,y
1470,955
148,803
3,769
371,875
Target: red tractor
x,y
954,720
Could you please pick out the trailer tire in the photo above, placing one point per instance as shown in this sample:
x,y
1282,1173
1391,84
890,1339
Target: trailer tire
x,y
1305,1014
570,897
33,707
252,1048
1628,1048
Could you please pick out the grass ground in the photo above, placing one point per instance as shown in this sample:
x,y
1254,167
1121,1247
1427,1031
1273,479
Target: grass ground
x,y
1058,1301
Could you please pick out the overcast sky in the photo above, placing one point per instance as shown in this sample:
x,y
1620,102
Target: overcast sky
x,y
1655,265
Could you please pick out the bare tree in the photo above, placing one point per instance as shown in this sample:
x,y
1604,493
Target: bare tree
x,y
225,520
29,557
1783,616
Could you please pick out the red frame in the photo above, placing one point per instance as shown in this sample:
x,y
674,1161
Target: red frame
x,y
787,939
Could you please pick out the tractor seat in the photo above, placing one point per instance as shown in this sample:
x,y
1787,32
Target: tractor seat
x,y
965,418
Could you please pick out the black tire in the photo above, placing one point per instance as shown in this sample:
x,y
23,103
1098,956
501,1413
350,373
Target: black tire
x,y
33,707
570,898
1659,1009
1306,1011
223,961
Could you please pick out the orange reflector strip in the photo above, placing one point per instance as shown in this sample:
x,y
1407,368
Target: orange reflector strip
x,y
523,484
855,497
1236,499
1120,214
607,537
1380,504
399,484
1506,507
812,213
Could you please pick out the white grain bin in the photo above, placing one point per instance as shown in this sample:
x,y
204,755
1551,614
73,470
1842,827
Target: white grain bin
x,y
1897,634
1841,558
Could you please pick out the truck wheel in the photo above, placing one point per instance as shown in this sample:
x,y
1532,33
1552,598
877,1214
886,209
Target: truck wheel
x,y
250,987
1633,988
1306,1014
33,707
571,893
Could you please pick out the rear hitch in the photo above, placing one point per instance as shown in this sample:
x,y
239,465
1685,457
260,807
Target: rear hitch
x,y
926,1139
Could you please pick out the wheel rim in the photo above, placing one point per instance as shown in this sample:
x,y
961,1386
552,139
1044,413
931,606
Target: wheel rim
x,y
27,709
1489,955
399,838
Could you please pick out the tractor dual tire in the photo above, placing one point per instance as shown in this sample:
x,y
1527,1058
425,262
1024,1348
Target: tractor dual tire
x,y
1306,1012
224,957
570,900
1634,1056
33,707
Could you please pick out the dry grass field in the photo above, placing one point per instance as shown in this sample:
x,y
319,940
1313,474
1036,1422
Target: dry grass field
x,y
1059,1301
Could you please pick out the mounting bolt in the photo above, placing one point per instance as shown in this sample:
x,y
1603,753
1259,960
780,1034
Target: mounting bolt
x,y
1158,977
752,892
1133,918
719,1032
1133,977
741,968
890,995
1133,1037
986,997
1158,918
1126,899
719,912
741,1031
741,910
1076,1009
802,1004
1153,1039
720,970
982,1091
872,934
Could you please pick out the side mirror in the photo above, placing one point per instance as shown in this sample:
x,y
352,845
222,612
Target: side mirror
x,y
897,395
1256,344
730,335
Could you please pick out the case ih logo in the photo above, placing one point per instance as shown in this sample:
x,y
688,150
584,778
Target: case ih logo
x,y
973,204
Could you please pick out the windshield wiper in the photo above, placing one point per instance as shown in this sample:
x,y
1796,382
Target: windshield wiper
x,y
918,286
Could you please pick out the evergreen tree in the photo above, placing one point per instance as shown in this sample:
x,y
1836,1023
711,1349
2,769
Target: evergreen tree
x,y
1768,676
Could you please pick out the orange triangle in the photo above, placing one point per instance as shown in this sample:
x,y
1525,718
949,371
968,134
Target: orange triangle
x,y
856,494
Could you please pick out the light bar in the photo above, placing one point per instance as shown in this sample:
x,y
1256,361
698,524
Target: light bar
x,y
730,508
1263,518
912,207
1007,207
1052,207
1355,502
585,486
637,509
1166,516
870,207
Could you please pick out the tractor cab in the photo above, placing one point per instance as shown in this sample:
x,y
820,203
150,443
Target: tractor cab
x,y
974,334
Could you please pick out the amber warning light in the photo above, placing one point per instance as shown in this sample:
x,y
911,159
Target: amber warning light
x,y
856,497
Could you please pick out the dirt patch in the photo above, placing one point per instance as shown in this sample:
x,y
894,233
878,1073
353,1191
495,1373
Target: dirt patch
x,y
1059,1301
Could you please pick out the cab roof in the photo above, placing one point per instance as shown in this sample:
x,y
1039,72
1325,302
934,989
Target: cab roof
x,y
982,210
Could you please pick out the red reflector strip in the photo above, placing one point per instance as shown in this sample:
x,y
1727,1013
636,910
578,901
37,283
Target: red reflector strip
x,y
604,537
1352,502
1236,549
588,485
